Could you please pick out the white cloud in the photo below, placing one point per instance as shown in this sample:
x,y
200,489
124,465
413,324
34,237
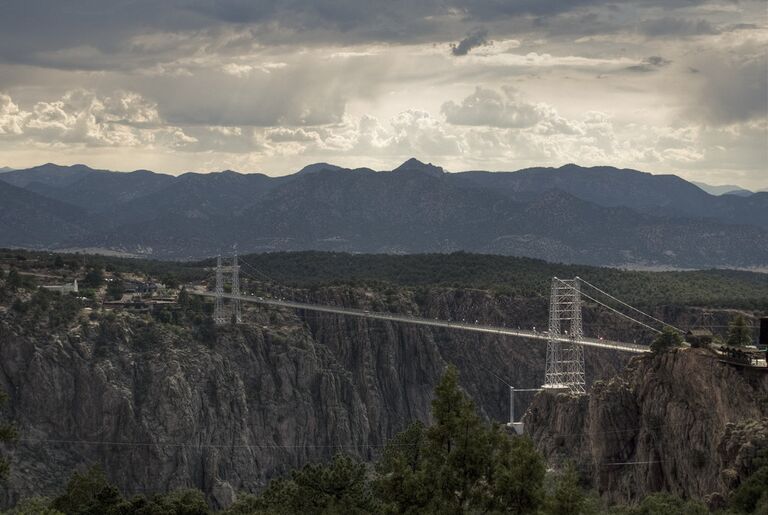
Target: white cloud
x,y
487,107
11,117
81,117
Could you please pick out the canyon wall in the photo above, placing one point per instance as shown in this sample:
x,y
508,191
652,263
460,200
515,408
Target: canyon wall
x,y
160,407
682,421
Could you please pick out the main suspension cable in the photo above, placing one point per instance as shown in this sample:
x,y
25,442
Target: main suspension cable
x,y
610,307
629,306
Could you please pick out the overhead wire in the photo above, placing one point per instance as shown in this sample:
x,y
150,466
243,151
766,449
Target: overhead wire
x,y
241,262
386,443
583,281
185,445
610,307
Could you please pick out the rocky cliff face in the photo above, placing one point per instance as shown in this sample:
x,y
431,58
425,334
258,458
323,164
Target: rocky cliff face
x,y
682,422
159,407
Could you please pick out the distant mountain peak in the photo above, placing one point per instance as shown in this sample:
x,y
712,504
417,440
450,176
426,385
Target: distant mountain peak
x,y
723,189
414,164
62,168
317,167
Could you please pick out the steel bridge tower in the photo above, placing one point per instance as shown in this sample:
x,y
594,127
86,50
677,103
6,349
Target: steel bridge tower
x,y
565,351
222,315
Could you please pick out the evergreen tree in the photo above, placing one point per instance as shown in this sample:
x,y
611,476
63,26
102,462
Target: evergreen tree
x,y
170,281
739,334
34,506
183,299
88,493
339,487
459,464
752,494
13,281
93,279
568,497
184,501
115,289
400,473
666,340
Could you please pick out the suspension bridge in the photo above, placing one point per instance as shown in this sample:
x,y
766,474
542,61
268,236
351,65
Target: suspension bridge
x,y
565,339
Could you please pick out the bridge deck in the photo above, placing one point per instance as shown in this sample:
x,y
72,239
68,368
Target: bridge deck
x,y
448,324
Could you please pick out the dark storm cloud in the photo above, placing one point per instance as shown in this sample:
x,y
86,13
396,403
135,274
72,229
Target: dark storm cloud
x,y
675,27
731,90
86,34
476,38
650,64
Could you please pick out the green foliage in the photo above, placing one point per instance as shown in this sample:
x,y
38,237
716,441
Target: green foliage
x,y
183,298
34,506
246,504
115,289
752,494
93,279
184,272
185,501
668,339
88,493
339,487
460,463
568,497
170,281
739,334
164,316
13,280
47,310
668,504
400,475
518,485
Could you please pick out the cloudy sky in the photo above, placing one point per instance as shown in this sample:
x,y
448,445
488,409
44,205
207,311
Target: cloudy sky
x,y
667,86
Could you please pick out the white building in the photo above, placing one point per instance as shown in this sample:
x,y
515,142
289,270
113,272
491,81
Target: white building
x,y
63,288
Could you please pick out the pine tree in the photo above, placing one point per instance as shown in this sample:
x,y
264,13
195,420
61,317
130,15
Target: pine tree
x,y
338,487
666,340
739,334
460,463
13,280
88,493
568,497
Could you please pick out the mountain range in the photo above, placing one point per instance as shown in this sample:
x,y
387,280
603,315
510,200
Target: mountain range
x,y
724,189
599,215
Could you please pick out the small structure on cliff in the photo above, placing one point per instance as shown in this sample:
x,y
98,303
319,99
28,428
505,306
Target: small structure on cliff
x,y
699,337
62,288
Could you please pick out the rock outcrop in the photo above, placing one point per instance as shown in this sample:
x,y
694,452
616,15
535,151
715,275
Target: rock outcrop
x,y
682,422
